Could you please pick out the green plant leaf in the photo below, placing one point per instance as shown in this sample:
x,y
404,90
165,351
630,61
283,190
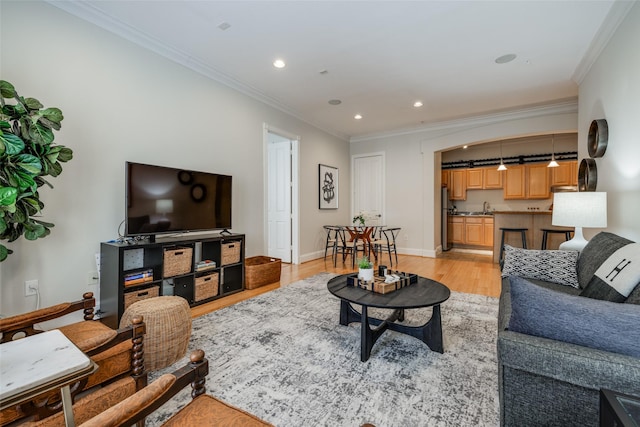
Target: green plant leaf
x,y
4,252
7,90
53,114
33,104
8,196
41,134
65,155
5,125
24,180
3,225
46,224
33,231
55,169
28,163
12,144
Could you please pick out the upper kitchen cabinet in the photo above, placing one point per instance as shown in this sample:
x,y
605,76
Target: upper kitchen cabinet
x,y
474,179
527,182
458,185
491,178
565,174
515,186
445,178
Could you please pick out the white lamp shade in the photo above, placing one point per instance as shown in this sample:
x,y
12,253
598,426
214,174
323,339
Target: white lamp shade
x,y
582,209
164,206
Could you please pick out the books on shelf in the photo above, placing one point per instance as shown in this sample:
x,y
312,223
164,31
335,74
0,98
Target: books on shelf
x,y
206,264
138,277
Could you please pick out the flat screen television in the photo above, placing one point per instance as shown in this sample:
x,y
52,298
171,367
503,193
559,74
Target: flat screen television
x,y
163,200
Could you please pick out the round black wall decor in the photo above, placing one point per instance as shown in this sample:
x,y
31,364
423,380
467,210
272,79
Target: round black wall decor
x,y
598,138
587,175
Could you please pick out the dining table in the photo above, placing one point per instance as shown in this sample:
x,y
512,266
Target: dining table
x,y
364,233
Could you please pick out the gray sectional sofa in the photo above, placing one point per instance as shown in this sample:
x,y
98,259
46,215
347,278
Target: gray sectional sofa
x,y
557,349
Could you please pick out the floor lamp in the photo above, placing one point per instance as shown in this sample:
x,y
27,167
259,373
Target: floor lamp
x,y
584,209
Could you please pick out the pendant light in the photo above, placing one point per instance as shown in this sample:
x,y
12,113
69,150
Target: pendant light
x,y
553,163
502,167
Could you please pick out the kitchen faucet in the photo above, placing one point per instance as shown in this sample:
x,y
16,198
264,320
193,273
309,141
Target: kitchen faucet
x,y
484,207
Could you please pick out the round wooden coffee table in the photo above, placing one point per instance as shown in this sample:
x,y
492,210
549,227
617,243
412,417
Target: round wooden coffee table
x,y
424,293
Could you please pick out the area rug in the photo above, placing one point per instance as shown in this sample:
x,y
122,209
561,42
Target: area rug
x,y
284,357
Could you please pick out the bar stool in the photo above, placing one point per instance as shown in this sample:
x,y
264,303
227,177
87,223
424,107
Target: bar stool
x,y
523,233
567,234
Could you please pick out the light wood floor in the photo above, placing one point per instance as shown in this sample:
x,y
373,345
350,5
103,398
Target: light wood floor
x,y
461,272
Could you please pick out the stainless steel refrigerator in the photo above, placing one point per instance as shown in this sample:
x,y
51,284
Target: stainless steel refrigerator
x,y
444,203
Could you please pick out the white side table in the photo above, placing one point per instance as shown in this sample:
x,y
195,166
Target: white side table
x,y
40,363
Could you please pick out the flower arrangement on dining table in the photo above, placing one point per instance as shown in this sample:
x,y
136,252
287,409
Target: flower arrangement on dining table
x,y
358,218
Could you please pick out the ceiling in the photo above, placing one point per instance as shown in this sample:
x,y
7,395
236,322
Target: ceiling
x,y
377,57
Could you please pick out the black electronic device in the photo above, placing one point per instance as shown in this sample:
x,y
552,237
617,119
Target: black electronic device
x,y
162,200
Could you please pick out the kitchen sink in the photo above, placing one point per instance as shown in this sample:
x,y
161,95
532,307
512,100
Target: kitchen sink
x,y
473,213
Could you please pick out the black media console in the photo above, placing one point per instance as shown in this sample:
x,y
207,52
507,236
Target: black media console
x,y
130,272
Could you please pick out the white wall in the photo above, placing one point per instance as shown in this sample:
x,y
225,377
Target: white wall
x,y
413,165
611,91
121,103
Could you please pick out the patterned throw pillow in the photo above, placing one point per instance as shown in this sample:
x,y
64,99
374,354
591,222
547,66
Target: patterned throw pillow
x,y
551,266
617,277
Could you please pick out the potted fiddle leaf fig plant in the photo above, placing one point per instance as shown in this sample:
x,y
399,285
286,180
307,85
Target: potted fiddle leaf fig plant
x,y
365,269
27,156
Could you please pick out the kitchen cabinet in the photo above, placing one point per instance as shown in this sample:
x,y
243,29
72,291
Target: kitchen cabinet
x,y
474,179
473,231
445,179
565,174
458,185
527,182
538,182
491,178
456,229
515,182
470,230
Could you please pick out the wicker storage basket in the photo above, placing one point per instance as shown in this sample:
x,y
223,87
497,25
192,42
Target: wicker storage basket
x,y
261,270
177,261
230,253
131,297
206,286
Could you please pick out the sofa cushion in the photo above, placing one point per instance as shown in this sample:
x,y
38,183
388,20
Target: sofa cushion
x,y
617,277
634,297
599,248
551,266
574,319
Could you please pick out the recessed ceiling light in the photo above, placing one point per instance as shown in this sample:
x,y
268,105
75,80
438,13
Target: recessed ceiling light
x,y
224,26
279,63
417,104
335,102
357,116
464,147
506,58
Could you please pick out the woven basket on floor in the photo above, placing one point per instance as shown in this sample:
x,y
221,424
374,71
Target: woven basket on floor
x,y
261,270
168,323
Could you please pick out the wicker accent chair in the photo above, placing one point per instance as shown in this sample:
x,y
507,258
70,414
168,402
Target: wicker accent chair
x,y
202,411
118,354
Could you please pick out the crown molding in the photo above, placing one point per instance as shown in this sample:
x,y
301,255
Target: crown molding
x,y
565,106
92,14
616,15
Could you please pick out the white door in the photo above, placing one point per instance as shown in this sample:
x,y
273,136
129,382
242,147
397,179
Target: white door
x,y
368,187
279,198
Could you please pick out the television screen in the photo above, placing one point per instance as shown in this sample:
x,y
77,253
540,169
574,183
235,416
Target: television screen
x,y
168,200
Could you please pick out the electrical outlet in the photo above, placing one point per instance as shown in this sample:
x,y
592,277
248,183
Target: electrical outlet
x,y
92,278
31,288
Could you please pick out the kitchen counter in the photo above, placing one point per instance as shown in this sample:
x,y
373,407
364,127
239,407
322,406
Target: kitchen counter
x,y
535,221
523,212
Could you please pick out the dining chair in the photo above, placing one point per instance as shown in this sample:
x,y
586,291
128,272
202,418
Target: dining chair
x,y
387,243
331,240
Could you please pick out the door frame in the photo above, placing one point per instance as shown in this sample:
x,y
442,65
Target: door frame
x,y
295,185
384,181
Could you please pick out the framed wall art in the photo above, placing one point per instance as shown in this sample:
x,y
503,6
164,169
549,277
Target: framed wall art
x,y
328,188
